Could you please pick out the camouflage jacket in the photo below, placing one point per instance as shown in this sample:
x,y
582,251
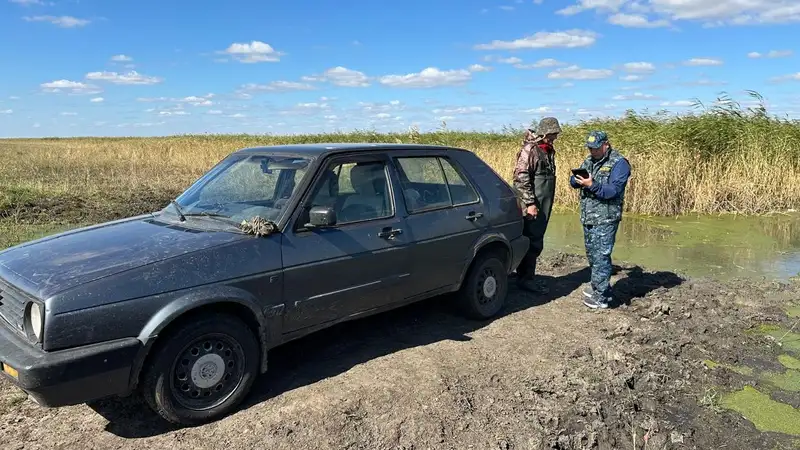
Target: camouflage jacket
x,y
531,163
597,205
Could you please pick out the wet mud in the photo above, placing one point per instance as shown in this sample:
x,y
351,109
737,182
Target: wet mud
x,y
676,364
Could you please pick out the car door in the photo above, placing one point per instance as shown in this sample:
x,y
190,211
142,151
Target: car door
x,y
446,216
356,265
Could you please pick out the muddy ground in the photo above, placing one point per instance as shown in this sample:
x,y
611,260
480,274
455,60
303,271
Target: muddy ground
x,y
547,374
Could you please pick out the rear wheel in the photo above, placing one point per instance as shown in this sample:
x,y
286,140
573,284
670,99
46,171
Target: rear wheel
x,y
483,292
203,370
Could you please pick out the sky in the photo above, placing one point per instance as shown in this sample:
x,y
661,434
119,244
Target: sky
x,y
146,67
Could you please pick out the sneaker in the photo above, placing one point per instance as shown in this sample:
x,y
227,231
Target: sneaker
x,y
588,292
594,303
536,287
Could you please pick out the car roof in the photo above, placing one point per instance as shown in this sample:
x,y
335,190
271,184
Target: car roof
x,y
321,149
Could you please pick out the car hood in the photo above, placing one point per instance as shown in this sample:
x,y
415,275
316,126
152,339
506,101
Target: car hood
x,y
53,264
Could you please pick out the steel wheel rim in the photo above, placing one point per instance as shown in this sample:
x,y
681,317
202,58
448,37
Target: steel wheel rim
x,y
207,372
486,275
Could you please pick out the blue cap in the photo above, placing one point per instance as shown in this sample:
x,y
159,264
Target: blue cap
x,y
595,139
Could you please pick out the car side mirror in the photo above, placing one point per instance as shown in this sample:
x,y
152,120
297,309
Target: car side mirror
x,y
322,216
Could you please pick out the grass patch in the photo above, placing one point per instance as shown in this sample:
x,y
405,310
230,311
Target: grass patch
x,y
766,414
789,362
741,370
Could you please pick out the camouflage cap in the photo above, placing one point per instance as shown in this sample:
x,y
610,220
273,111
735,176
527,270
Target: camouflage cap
x,y
595,139
548,125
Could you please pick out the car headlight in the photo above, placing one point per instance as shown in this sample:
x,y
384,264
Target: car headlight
x,y
34,321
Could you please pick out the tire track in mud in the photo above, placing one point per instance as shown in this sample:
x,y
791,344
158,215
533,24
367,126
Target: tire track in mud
x,y
546,374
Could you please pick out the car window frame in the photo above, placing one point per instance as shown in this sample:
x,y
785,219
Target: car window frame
x,y
438,156
340,159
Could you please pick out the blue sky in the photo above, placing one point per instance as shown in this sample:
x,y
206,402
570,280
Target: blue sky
x,y
111,68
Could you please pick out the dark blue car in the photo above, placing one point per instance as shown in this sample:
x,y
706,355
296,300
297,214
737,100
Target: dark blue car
x,y
272,244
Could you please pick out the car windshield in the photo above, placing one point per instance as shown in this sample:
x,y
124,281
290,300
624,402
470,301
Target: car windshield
x,y
242,187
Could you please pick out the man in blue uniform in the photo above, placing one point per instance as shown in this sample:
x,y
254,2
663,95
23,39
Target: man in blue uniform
x,y
602,197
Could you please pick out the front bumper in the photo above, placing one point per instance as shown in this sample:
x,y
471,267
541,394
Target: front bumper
x,y
67,377
519,247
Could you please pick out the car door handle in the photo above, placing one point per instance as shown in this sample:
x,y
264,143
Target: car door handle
x,y
474,215
389,233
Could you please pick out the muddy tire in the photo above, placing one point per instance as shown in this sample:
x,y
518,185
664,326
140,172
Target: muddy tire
x,y
202,371
484,289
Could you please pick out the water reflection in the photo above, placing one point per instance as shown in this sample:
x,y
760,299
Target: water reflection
x,y
720,247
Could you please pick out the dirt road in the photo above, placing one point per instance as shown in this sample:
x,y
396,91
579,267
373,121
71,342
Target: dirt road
x,y
548,374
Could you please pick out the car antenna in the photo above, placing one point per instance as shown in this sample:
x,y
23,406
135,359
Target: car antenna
x,y
178,208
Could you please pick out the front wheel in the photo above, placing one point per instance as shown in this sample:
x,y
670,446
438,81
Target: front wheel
x,y
483,292
203,370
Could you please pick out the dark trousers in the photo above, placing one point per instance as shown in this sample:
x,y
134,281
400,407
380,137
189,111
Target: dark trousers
x,y
534,229
599,241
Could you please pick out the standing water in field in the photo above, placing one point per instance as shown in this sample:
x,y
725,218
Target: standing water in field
x,y
721,247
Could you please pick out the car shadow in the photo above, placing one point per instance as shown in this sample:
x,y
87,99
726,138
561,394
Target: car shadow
x,y
333,351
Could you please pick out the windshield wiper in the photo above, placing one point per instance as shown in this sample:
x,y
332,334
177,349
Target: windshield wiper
x,y
178,208
206,213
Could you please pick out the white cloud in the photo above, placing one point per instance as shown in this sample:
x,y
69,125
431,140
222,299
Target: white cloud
x,y
678,104
576,73
507,8
539,110
708,12
511,60
198,101
791,77
68,113
542,63
583,5
427,78
97,100
214,112
771,54
548,62
278,86
636,21
634,96
173,113
479,68
121,58
631,78
703,62
130,78
639,67
459,110
27,2
545,39
62,21
13,97
340,76
253,52
7,111
73,87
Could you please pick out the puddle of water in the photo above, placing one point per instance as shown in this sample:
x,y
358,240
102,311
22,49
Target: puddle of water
x,y
715,246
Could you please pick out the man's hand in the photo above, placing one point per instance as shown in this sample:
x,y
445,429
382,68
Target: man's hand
x,y
585,182
532,211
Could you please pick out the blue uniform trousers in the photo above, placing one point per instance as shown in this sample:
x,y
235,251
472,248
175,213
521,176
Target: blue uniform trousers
x,y
599,241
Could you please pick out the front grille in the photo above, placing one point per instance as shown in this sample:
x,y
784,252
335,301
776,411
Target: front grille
x,y
12,307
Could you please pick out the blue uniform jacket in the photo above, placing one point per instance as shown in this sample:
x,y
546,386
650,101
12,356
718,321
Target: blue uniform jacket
x,y
616,181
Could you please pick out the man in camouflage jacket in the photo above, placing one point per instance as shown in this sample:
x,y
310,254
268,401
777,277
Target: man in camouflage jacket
x,y
535,182
602,197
